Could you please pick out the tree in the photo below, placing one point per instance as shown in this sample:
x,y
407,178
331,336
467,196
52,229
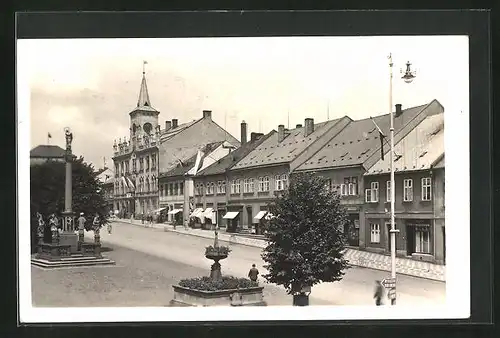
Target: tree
x,y
305,239
48,186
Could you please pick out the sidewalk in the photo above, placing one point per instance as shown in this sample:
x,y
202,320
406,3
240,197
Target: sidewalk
x,y
356,257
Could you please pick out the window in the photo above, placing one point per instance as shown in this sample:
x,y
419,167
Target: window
x,y
351,186
408,190
426,189
153,161
147,162
237,186
134,165
122,169
141,164
261,184
248,185
374,233
388,191
181,188
201,189
127,169
210,188
368,195
266,183
422,239
219,187
280,182
374,194
171,189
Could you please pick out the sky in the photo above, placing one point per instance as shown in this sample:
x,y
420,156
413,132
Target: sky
x,y
90,85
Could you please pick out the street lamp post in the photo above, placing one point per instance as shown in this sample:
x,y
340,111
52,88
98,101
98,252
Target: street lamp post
x,y
408,78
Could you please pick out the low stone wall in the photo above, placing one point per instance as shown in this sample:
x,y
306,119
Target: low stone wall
x,y
51,251
238,297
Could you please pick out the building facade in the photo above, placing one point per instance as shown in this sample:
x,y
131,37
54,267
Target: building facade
x,y
214,188
136,160
347,155
419,195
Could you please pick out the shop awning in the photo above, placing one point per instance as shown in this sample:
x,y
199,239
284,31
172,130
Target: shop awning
x,y
269,216
173,212
231,215
208,213
260,214
159,210
198,212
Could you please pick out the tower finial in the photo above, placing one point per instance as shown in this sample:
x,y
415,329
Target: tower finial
x,y
144,63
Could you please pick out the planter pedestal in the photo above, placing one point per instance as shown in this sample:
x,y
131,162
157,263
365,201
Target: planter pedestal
x,y
241,297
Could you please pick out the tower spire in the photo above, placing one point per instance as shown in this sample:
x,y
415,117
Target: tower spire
x,y
143,93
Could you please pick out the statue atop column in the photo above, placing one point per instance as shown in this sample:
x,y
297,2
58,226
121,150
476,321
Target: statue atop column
x,y
69,139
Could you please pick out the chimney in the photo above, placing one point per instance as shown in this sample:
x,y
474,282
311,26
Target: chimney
x,y
207,114
308,126
243,132
298,126
174,123
399,110
168,125
281,133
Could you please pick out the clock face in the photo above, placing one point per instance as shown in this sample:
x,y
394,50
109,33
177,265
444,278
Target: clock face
x,y
147,127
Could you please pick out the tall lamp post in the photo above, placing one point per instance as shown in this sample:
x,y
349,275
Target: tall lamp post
x,y
408,78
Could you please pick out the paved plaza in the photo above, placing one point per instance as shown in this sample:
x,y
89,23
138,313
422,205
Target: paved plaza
x,y
150,260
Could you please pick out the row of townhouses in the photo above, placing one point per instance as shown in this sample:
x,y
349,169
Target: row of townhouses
x,y
197,173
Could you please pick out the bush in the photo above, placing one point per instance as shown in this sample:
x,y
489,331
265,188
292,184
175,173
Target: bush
x,y
227,283
220,249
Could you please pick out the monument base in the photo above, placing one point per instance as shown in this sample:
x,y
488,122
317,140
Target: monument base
x,y
69,238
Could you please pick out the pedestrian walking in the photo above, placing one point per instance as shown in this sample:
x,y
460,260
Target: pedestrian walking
x,y
110,228
253,273
379,292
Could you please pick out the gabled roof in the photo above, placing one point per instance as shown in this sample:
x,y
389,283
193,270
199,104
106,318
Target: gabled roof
x,y
182,169
358,141
419,150
234,157
272,152
47,151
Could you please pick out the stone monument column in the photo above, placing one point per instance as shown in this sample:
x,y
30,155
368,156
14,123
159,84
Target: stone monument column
x,y
68,235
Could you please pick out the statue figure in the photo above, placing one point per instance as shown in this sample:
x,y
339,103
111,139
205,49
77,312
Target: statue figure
x,y
41,225
69,139
54,227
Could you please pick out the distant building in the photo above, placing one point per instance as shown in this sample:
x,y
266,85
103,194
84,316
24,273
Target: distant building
x,y
151,151
44,153
107,178
213,187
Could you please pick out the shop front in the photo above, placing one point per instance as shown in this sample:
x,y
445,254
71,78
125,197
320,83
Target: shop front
x,y
351,230
232,219
175,215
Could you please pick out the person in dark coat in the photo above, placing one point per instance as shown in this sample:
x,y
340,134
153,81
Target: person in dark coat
x,y
253,273
379,292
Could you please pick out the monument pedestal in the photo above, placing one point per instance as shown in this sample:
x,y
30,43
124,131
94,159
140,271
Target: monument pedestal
x,y
69,238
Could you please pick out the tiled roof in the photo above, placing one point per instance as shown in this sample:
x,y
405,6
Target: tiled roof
x,y
357,142
168,134
272,152
47,151
419,150
181,169
231,159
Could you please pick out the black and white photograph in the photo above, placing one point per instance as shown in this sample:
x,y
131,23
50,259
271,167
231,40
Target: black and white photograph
x,y
275,178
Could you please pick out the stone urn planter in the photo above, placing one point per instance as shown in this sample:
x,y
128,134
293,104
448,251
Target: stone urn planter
x,y
217,290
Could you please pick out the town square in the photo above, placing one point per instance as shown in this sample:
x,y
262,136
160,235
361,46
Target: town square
x,y
182,180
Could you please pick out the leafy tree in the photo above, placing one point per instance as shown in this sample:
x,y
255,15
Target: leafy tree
x,y
48,186
305,238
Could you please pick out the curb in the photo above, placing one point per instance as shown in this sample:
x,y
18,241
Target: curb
x,y
262,245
